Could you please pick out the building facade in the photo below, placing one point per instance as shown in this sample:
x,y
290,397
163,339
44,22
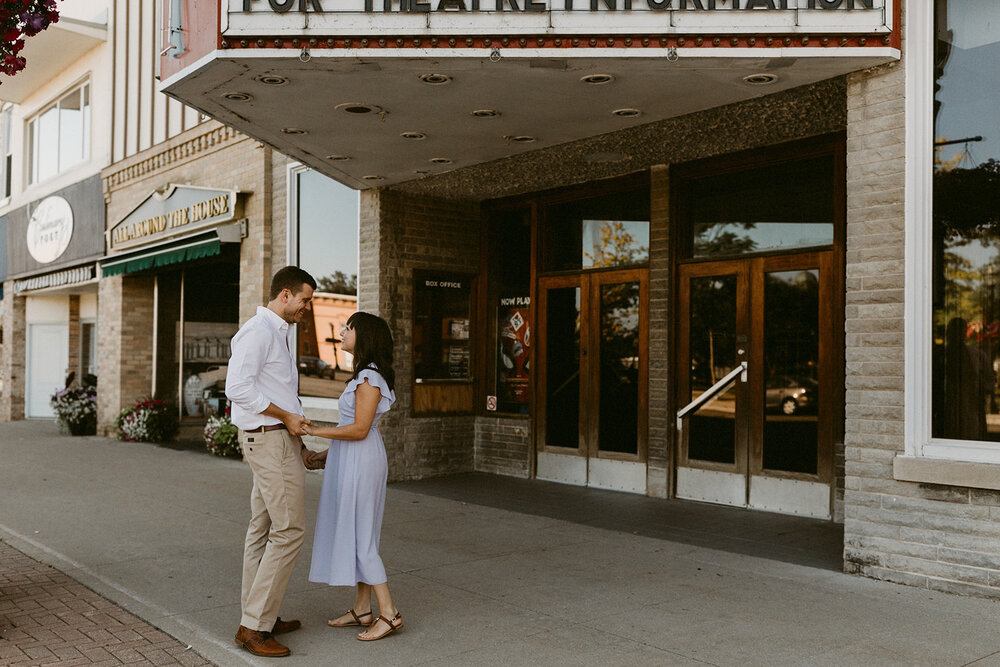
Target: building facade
x,y
55,132
727,251
737,252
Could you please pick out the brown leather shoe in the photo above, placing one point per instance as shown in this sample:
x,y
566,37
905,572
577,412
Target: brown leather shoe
x,y
260,643
281,626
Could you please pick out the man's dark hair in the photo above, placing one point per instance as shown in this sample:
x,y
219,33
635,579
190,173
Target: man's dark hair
x,y
290,278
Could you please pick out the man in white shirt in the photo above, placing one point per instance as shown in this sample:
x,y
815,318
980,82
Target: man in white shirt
x,y
262,383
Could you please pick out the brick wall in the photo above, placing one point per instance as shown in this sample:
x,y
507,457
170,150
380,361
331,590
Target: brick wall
x,y
398,235
74,337
125,351
503,446
662,431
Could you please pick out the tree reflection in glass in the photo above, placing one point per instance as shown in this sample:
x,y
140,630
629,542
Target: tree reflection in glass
x,y
966,241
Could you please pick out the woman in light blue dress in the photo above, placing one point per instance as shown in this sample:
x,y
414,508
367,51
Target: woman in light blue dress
x,y
352,501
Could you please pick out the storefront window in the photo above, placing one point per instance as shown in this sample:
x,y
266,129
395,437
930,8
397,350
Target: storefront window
x,y
604,232
59,137
966,222
780,207
510,293
324,242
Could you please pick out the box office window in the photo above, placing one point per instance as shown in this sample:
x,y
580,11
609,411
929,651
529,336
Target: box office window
x,y
442,315
965,349
605,232
323,240
59,136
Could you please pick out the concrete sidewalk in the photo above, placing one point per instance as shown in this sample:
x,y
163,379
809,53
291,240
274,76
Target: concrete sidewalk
x,y
572,577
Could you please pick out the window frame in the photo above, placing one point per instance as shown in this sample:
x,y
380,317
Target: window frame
x,y
293,171
6,151
31,136
919,222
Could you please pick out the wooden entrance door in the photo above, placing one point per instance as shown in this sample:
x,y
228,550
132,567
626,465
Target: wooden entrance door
x,y
766,440
593,378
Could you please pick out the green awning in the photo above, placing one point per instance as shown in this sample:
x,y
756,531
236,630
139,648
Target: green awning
x,y
176,254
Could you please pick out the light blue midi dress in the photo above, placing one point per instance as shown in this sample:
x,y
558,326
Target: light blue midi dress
x,y
352,500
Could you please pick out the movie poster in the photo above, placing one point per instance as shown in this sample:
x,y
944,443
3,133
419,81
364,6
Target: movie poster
x,y
514,345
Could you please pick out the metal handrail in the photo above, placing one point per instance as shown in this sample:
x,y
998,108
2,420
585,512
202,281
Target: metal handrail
x,y
711,392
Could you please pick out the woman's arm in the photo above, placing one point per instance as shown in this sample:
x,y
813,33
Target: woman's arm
x,y
367,398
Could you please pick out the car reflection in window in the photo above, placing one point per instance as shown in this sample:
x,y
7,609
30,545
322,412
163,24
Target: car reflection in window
x,y
315,366
791,395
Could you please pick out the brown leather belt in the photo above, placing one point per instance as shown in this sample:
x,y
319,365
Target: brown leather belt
x,y
267,427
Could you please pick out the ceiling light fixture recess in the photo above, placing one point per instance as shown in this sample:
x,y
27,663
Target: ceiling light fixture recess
x,y
416,136
272,79
435,79
521,139
373,177
293,130
597,79
358,108
439,160
761,79
338,158
485,113
627,113
238,97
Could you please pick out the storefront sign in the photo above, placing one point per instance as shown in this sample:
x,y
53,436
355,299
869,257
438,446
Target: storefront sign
x,y
50,229
180,210
330,17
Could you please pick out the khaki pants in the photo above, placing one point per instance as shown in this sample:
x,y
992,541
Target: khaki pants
x,y
277,523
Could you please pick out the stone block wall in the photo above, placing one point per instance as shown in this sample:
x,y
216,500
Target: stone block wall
x,y
929,535
399,234
14,354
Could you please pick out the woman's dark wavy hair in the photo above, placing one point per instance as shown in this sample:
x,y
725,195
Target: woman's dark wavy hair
x,y
372,345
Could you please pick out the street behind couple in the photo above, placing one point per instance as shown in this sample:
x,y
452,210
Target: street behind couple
x,y
262,384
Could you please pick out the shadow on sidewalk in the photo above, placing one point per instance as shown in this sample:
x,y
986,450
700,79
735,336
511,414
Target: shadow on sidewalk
x,y
802,541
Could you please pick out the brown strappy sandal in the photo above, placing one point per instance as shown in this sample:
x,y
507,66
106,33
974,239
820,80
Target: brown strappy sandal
x,y
393,626
349,624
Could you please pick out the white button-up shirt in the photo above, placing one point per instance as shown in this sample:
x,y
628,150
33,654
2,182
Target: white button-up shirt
x,y
262,371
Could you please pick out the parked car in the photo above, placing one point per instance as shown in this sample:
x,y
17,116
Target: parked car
x,y
791,395
315,366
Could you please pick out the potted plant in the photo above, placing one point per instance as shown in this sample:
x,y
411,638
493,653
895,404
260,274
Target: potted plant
x,y
149,420
76,407
222,438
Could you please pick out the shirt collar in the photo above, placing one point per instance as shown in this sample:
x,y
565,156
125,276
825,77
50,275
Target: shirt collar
x,y
272,318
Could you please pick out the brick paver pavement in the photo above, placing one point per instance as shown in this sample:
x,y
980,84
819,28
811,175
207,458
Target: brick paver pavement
x,y
47,618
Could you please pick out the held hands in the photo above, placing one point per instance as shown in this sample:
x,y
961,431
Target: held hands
x,y
313,460
297,424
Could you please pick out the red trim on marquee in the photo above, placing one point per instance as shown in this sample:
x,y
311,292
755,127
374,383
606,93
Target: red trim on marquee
x,y
571,42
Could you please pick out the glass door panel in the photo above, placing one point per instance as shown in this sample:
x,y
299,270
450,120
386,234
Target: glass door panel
x,y
562,366
712,343
791,371
619,367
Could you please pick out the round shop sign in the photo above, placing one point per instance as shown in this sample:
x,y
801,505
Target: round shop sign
x,y
50,229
